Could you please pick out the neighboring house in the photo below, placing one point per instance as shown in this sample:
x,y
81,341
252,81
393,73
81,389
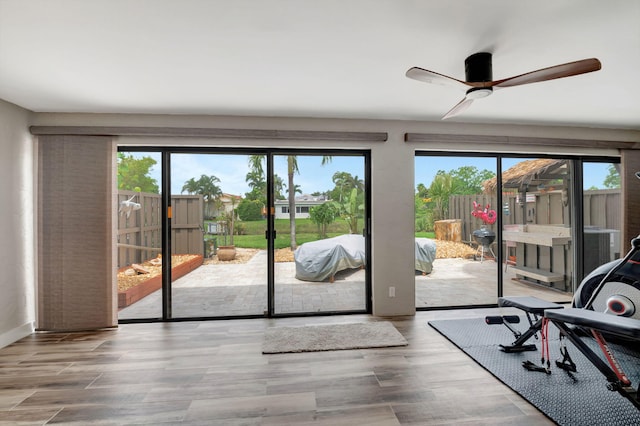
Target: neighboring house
x,y
228,203
303,206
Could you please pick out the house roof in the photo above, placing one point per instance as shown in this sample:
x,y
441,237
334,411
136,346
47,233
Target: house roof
x,y
529,173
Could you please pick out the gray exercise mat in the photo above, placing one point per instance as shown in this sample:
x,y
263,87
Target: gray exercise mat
x,y
582,400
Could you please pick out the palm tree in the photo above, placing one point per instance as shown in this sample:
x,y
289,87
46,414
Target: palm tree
x,y
356,183
296,188
209,189
255,163
191,186
278,187
340,180
292,169
442,186
345,182
205,186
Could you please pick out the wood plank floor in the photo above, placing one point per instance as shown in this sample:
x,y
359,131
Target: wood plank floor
x,y
213,373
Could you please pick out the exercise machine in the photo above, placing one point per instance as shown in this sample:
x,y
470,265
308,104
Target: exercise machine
x,y
600,323
613,287
534,309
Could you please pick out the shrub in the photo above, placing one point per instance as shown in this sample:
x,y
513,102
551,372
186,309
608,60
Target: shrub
x,y
239,228
249,210
323,215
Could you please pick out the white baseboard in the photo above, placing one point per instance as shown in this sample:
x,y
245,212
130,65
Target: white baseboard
x,y
16,334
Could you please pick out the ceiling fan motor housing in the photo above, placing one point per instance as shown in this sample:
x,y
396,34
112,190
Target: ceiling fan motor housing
x,y
478,68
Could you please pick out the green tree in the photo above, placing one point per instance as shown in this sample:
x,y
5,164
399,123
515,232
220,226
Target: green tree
x,y
258,186
133,174
344,183
249,210
353,209
470,179
292,170
229,219
424,214
207,186
257,181
278,187
256,166
296,189
612,180
324,215
442,186
190,186
422,191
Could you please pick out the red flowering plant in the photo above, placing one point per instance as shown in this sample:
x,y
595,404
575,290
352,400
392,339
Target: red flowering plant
x,y
486,214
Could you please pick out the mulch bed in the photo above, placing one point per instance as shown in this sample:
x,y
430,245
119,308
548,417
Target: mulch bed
x,y
126,282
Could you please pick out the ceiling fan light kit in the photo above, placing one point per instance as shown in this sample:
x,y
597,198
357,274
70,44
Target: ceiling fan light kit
x,y
479,92
479,81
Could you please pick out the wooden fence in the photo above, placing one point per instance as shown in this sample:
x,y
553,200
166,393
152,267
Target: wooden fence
x,y
601,209
187,232
140,232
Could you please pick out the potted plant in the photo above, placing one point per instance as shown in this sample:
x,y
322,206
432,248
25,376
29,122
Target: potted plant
x,y
228,252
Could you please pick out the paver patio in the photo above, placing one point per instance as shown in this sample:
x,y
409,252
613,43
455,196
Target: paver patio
x,y
218,290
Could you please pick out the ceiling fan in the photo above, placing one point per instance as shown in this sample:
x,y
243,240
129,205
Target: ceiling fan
x,y
479,81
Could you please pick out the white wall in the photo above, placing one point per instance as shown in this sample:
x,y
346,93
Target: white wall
x,y
17,265
392,176
392,182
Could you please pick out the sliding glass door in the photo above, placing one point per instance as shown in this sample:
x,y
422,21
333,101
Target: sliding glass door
x,y
602,214
223,238
455,238
488,226
139,235
218,218
321,240
538,211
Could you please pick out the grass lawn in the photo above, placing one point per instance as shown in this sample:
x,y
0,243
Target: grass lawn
x,y
306,231
431,235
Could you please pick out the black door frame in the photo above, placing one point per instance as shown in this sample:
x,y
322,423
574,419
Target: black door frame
x,y
269,154
577,215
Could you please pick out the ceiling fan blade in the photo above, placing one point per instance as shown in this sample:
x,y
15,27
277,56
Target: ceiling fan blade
x,y
459,108
551,73
427,76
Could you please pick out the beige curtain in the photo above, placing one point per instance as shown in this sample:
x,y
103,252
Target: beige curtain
x,y
76,218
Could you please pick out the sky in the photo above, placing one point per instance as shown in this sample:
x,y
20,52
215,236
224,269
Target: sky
x,y
315,177
232,170
426,168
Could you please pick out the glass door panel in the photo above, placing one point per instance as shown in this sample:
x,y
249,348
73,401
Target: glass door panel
x,y
455,224
602,214
320,251
537,207
139,235
218,244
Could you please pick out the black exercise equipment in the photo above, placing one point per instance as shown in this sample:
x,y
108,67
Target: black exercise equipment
x,y
534,309
599,323
607,303
613,287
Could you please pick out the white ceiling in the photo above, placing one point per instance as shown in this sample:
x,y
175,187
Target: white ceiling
x,y
325,58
